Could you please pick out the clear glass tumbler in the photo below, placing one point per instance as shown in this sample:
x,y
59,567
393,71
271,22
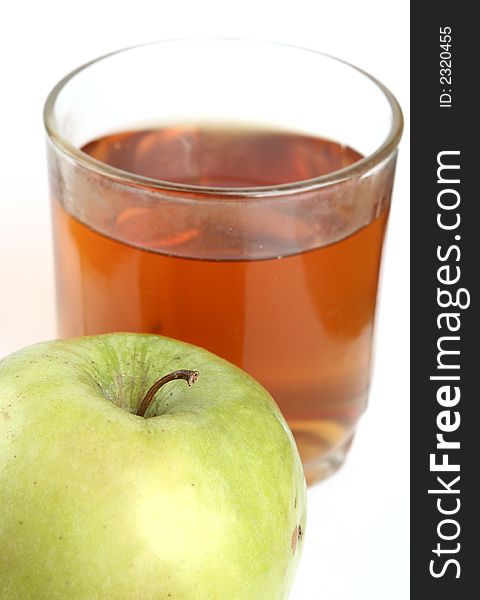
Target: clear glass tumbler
x,y
232,194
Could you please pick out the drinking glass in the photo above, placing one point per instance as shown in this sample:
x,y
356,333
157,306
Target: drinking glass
x,y
277,273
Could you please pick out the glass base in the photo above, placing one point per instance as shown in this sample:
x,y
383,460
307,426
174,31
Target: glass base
x,y
324,466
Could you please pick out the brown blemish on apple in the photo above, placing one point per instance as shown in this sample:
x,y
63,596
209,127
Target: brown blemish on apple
x,y
294,539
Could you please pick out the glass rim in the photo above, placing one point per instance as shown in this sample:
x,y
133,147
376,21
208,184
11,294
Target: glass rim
x,y
356,169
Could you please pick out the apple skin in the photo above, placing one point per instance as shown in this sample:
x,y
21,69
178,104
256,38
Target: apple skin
x,y
201,500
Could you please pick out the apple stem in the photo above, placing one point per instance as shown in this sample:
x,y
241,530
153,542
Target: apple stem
x,y
189,376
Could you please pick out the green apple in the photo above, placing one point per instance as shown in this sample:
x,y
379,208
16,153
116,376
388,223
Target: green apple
x,y
202,498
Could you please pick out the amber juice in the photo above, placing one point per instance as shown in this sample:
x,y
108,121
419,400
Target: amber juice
x,y
301,322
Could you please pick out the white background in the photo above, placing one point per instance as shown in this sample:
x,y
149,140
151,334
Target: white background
x,y
357,539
